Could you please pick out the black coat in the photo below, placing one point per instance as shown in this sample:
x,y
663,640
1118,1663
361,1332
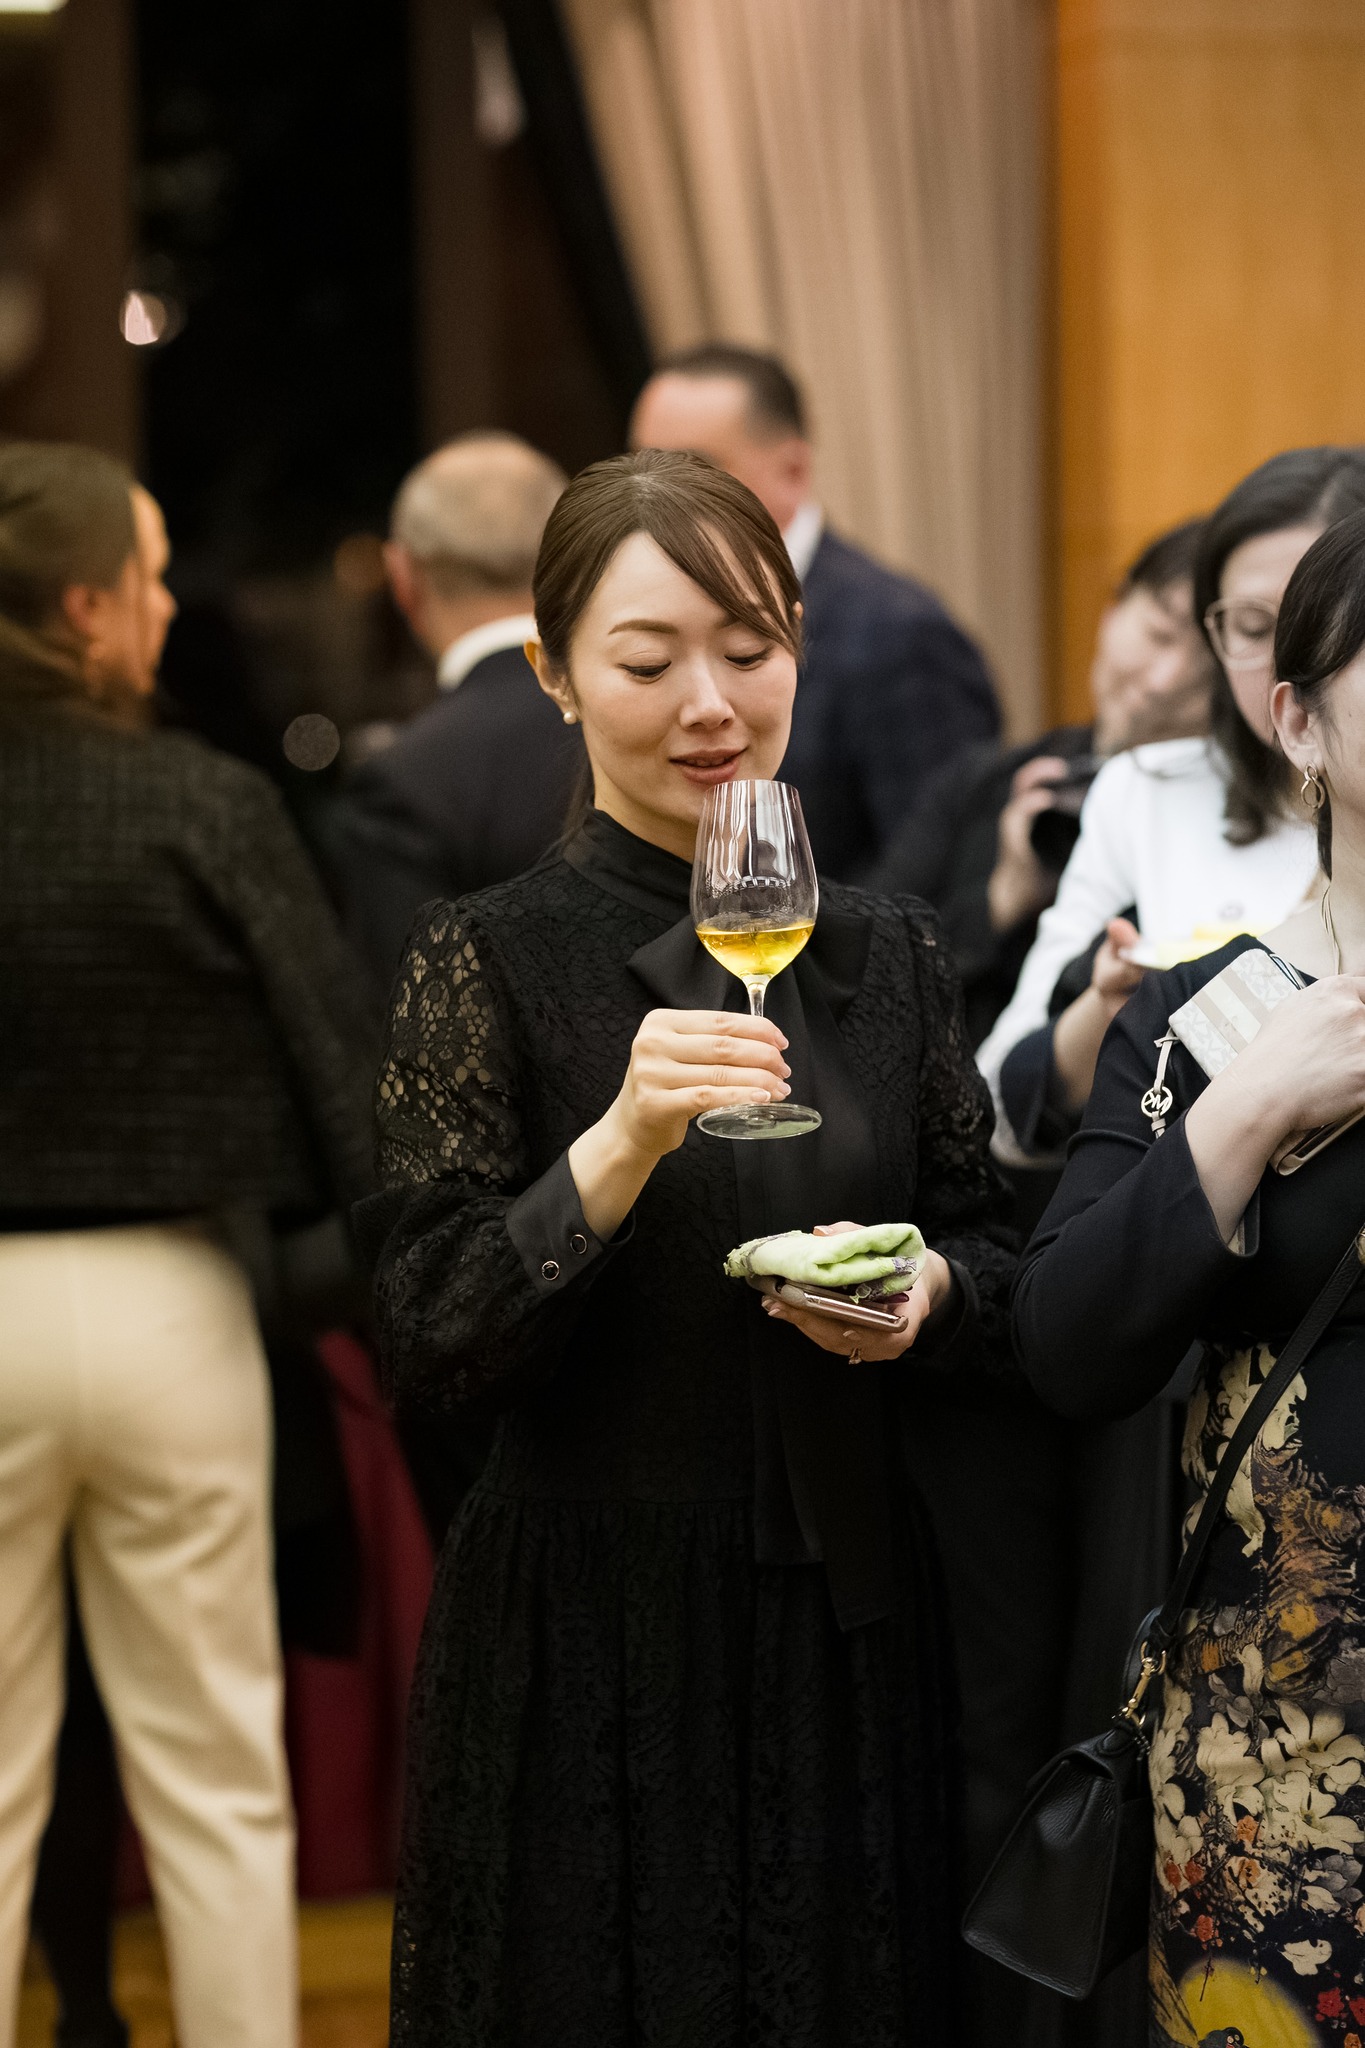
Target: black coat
x,y
891,688
475,790
181,1028
183,1033
946,850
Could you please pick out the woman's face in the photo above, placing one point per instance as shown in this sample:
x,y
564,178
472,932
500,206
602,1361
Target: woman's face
x,y
1255,578
673,695
1151,674
123,629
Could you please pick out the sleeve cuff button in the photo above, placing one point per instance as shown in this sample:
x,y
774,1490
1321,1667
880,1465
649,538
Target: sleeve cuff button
x,y
550,1270
578,1243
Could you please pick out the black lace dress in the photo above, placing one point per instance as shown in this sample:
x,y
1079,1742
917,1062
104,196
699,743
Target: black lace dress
x,y
677,1754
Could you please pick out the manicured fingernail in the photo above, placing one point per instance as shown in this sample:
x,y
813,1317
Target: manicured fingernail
x,y
783,1043
785,1068
785,1087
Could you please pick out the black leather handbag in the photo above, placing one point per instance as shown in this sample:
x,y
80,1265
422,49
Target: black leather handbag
x,y
1066,1898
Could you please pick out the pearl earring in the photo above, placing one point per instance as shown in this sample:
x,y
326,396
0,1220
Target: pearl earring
x,y
570,718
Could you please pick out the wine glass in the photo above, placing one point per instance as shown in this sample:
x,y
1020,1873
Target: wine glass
x,y
754,899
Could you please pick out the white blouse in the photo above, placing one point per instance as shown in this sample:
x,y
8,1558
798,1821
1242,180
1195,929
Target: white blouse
x,y
1152,834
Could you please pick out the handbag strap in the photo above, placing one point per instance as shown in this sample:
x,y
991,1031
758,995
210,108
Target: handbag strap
x,y
1329,1300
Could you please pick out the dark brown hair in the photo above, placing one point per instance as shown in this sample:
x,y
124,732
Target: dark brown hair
x,y
66,517
1302,487
1164,561
1321,630
776,406
711,526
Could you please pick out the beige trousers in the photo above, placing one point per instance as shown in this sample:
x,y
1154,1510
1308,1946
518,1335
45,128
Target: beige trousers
x,y
134,1415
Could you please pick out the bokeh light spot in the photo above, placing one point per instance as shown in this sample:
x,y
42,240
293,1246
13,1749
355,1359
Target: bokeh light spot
x,y
142,319
311,742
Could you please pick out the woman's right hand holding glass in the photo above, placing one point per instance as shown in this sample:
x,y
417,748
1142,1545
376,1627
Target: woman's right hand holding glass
x,y
687,1061
681,1063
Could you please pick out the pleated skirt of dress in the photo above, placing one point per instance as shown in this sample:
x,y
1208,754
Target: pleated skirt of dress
x,y
656,1798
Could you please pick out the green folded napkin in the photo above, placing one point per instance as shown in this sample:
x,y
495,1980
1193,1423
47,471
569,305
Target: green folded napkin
x,y
885,1258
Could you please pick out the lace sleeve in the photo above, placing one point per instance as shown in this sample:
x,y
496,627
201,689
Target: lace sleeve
x,y
447,1098
482,1271
963,1203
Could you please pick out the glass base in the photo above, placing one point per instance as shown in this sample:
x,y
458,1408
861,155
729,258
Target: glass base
x,y
760,1120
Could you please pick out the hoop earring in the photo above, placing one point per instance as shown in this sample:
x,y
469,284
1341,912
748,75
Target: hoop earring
x,y
1312,791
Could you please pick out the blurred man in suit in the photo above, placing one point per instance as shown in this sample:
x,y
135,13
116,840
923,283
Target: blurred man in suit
x,y
475,788
891,687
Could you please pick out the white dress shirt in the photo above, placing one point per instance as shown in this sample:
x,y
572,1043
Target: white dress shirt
x,y
803,537
471,648
1152,834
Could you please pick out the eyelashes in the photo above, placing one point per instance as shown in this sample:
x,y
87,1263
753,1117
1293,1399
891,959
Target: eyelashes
x,y
651,673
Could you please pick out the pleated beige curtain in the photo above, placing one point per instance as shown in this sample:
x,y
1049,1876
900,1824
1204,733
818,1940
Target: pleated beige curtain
x,y
857,184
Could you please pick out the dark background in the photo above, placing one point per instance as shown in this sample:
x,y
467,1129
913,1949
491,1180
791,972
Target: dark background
x,y
374,227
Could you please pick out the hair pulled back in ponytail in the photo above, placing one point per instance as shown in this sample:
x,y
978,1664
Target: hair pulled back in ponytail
x,y
1321,630
66,517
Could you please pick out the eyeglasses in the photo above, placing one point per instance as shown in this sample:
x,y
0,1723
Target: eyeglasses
x,y
1242,630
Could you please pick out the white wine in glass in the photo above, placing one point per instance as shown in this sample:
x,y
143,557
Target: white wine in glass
x,y
754,903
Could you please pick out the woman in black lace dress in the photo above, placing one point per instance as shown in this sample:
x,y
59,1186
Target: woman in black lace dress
x,y
677,1769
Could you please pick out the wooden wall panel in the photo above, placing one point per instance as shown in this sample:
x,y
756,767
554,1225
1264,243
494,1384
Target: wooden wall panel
x,y
1210,266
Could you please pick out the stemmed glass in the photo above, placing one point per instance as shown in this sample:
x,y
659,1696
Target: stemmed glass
x,y
754,900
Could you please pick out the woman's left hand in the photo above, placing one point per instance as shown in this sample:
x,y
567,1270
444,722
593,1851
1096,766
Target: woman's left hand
x,y
929,1292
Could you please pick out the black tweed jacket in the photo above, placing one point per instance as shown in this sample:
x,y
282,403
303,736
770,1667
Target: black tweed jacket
x,y
181,1027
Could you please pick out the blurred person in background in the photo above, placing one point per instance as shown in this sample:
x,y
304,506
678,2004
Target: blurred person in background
x,y
1258,1761
73,1888
1183,842
478,786
891,686
185,1062
967,848
987,842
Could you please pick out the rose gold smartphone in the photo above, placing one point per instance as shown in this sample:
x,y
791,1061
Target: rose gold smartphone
x,y
853,1314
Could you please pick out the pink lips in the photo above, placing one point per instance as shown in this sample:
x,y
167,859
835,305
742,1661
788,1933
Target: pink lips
x,y
704,770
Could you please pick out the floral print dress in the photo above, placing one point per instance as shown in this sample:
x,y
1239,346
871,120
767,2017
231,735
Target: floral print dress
x,y
1258,1760
1258,1766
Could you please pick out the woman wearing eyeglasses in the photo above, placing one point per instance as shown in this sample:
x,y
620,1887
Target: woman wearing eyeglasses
x,y
1183,842
1170,1206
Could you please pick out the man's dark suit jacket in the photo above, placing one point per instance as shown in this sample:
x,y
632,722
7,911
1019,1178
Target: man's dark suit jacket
x,y
473,791
946,851
891,688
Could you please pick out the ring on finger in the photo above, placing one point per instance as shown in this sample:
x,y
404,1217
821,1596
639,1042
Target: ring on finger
x,y
855,1356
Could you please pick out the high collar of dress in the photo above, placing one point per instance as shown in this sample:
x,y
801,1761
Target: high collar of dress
x,y
674,967
646,876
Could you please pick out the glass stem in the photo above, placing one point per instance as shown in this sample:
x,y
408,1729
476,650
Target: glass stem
x,y
756,985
